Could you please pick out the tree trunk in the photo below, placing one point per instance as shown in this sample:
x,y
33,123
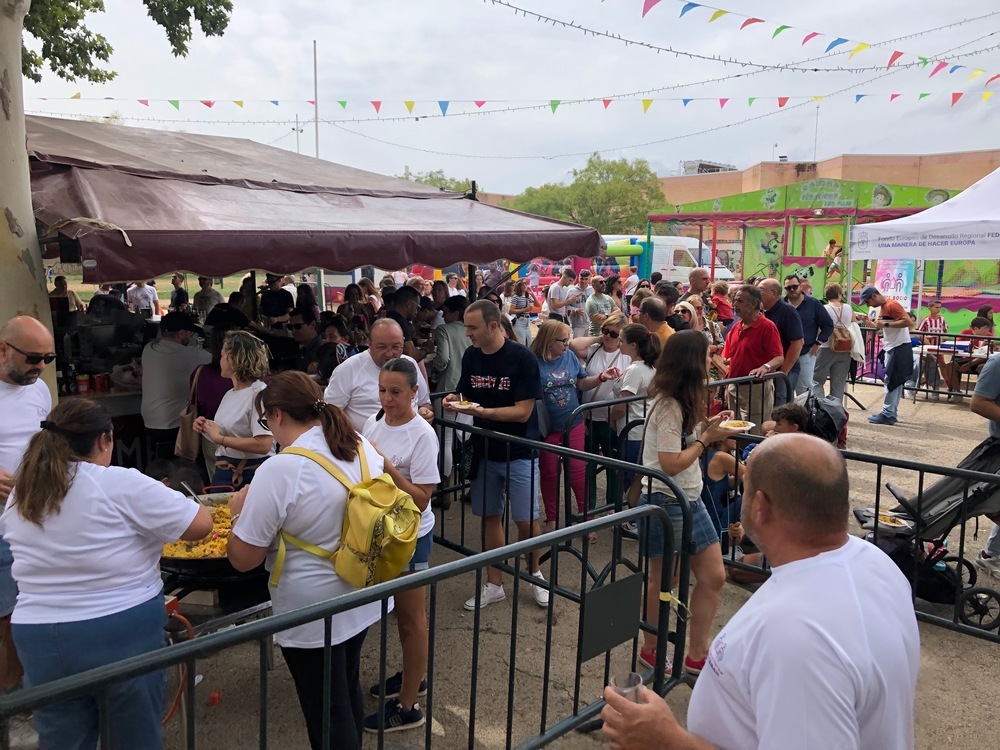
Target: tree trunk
x,y
22,276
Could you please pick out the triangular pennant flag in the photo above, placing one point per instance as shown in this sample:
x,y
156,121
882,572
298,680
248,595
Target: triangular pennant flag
x,y
955,67
894,97
308,101
409,106
860,48
782,101
274,102
377,105
341,102
648,5
750,21
938,68
144,102
817,98
859,97
976,74
76,95
987,95
955,97
892,59
175,103
607,103
923,61
479,103
810,35
751,100
836,43
444,107
646,104
554,104
687,7
922,96
992,79
109,98
779,30
239,103
717,15
208,103
722,103
686,101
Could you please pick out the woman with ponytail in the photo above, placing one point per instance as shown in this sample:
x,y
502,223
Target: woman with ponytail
x,y
296,495
643,348
87,538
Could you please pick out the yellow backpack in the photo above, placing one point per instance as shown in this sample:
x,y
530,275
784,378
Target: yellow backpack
x,y
380,527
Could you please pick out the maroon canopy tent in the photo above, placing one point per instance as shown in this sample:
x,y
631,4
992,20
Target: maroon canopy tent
x,y
131,203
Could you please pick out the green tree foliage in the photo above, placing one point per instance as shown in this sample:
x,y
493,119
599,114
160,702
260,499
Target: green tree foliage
x,y
612,195
72,51
439,179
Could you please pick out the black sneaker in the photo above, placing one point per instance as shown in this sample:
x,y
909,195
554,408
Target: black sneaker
x,y
397,718
394,684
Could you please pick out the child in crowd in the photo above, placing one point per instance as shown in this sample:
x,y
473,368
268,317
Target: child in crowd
x,y
719,302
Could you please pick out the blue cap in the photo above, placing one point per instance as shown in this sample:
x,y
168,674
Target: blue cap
x,y
867,293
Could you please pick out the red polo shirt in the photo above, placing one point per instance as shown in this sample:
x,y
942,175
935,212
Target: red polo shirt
x,y
750,346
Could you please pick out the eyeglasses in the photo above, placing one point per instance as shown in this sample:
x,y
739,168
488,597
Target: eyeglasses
x,y
33,359
791,287
262,421
609,332
564,342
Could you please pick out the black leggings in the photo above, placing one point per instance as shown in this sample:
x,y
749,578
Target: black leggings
x,y
347,712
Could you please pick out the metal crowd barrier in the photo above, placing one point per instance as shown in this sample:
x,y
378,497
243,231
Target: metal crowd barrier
x,y
938,354
596,633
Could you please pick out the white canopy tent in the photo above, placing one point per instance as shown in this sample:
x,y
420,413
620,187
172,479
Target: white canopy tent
x,y
967,227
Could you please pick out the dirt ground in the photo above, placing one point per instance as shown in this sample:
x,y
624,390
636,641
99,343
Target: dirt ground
x,y
957,689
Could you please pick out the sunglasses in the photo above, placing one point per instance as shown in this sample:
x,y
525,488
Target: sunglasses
x,y
262,421
609,332
791,287
33,359
685,312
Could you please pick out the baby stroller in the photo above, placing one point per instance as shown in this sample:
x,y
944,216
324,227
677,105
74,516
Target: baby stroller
x,y
913,535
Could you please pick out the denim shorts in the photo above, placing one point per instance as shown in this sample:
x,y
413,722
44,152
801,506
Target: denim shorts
x,y
651,542
491,490
421,559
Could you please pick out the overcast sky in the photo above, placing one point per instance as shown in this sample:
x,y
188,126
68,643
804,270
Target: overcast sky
x,y
396,50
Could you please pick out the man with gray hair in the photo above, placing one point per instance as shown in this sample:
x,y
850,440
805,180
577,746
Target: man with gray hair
x,y
825,654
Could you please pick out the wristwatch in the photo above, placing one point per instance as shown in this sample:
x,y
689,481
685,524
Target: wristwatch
x,y
768,366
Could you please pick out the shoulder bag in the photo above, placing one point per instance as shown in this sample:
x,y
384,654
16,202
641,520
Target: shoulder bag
x,y
188,442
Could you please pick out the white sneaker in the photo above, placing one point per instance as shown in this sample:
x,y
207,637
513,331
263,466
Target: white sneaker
x,y
491,594
540,593
21,735
990,565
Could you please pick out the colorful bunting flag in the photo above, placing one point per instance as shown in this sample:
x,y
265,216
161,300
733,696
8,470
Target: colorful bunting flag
x,y
923,61
992,79
892,59
860,48
175,103
646,104
751,100
894,97
409,106
836,43
722,103
922,96
144,102
987,95
938,68
810,35
342,103
955,97
717,15
274,102
782,101
817,98
687,7
955,67
686,101
308,101
481,102
750,21
76,95
976,74
239,103
859,97
554,104
779,30
648,5
207,102
377,104
607,103
444,107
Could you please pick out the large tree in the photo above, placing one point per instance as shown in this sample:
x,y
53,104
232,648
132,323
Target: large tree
x,y
612,195
67,47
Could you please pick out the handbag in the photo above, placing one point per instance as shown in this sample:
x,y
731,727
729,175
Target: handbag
x,y
188,442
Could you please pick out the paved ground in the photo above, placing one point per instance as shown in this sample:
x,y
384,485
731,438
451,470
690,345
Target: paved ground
x,y
958,687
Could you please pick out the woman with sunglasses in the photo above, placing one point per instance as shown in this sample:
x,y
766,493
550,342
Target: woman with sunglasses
x,y
692,310
243,443
599,354
562,376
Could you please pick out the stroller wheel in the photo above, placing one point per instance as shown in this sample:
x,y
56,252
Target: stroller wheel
x,y
979,608
963,569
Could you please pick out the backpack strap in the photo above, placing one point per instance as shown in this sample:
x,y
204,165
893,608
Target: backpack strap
x,y
284,536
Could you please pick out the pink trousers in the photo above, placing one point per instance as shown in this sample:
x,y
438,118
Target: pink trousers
x,y
550,466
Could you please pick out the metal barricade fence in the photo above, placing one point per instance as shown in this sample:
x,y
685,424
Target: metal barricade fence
x,y
597,634
943,364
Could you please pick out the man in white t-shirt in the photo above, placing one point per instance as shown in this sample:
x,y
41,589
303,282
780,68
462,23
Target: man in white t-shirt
x,y
577,311
825,654
141,296
167,364
561,295
354,384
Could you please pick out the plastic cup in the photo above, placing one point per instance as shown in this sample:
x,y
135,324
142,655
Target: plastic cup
x,y
627,685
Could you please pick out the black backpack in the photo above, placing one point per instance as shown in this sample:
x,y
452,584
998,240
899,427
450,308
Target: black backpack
x,y
827,417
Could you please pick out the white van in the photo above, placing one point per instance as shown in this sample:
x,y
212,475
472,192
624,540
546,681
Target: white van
x,y
675,256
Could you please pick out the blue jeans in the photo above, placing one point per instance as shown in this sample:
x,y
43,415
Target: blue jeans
x,y
60,649
8,589
802,381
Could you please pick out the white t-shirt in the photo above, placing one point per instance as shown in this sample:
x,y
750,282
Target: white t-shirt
x,y
825,654
166,381
298,495
597,361
630,285
413,449
558,293
664,435
100,553
636,381
354,388
23,408
577,311
237,417
142,297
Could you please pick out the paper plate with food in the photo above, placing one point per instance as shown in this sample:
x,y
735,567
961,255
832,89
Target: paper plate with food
x,y
737,424
464,404
893,522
